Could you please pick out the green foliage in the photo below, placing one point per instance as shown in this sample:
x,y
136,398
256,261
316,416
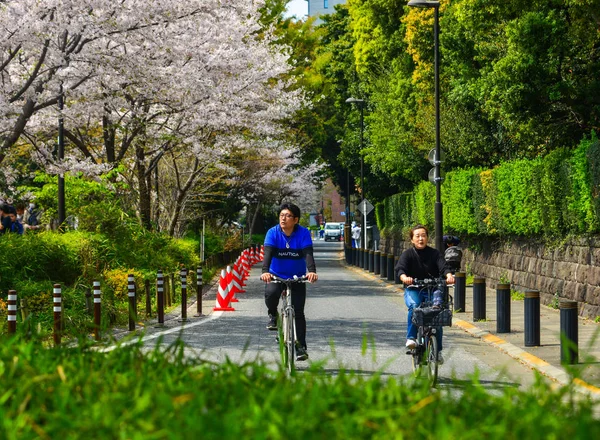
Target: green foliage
x,y
550,196
133,392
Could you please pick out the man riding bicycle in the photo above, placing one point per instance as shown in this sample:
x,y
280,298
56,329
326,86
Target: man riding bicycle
x,y
418,262
288,252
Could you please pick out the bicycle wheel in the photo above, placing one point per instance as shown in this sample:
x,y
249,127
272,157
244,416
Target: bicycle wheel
x,y
290,341
417,353
282,331
432,355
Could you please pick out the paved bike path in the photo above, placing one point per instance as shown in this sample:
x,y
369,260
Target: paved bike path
x,y
354,322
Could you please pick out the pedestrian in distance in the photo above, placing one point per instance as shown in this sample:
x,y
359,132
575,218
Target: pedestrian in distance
x,y
355,235
5,221
288,253
419,262
452,253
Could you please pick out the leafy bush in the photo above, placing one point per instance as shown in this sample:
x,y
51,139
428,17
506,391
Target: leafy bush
x,y
551,196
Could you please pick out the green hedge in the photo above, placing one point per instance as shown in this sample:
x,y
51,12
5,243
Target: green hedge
x,y
550,196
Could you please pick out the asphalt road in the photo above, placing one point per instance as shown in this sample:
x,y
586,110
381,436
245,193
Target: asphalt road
x,y
354,322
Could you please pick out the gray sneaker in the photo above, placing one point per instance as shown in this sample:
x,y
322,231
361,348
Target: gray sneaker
x,y
272,325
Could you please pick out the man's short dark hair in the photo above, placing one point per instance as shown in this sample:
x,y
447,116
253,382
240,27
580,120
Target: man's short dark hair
x,y
290,207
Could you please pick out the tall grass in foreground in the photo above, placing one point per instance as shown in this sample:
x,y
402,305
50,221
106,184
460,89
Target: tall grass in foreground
x,y
132,393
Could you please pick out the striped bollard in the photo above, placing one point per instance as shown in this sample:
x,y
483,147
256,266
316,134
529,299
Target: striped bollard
x,y
199,291
160,297
132,302
12,312
183,275
57,301
97,310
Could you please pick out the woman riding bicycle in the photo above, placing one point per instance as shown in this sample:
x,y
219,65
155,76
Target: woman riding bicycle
x,y
288,253
420,262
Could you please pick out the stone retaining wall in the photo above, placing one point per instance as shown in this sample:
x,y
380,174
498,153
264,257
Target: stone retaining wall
x,y
570,270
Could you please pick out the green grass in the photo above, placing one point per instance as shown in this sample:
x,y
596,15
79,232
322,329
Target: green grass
x,y
131,393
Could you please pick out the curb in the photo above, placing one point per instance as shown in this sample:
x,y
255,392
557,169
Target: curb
x,y
556,374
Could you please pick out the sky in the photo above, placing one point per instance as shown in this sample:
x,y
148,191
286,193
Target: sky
x,y
299,8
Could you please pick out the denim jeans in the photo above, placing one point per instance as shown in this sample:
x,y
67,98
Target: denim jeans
x,y
413,298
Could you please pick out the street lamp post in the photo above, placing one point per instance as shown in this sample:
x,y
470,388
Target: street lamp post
x,y
361,104
437,160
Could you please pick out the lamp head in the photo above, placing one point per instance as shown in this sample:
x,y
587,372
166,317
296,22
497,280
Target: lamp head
x,y
423,4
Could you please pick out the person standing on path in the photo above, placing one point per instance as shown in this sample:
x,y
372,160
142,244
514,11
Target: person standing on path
x,y
288,253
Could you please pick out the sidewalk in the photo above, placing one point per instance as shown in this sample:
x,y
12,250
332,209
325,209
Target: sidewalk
x,y
544,358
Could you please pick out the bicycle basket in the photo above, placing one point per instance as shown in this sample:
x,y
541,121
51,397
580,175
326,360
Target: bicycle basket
x,y
432,317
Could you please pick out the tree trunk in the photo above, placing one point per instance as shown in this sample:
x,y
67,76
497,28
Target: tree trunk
x,y
144,188
254,217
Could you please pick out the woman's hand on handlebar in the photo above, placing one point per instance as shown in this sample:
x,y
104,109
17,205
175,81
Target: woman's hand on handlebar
x,y
266,277
406,279
312,277
449,279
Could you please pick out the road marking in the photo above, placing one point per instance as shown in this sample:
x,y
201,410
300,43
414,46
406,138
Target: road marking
x,y
211,317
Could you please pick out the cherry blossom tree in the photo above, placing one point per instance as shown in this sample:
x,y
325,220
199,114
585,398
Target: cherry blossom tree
x,y
143,81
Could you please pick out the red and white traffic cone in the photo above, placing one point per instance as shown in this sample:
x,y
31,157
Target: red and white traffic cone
x,y
237,283
230,286
223,296
262,253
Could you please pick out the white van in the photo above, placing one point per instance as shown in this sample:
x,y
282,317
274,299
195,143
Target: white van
x,y
334,231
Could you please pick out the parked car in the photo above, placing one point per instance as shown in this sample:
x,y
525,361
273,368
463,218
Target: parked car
x,y
334,231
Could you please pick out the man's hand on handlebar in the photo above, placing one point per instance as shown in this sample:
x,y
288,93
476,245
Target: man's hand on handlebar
x,y
312,277
449,279
266,277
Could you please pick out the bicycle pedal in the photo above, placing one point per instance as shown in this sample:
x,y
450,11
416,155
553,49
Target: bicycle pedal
x,y
409,352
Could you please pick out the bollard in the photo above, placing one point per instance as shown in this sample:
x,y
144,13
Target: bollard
x,y
57,300
361,258
383,265
569,329
503,308
97,310
198,291
371,257
377,262
479,299
532,318
132,302
183,275
160,297
460,287
396,277
11,315
390,267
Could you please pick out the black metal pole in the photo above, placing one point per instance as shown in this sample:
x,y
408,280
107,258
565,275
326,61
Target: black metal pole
x,y
460,285
383,265
479,299
503,308
532,318
376,263
390,267
60,157
439,222
569,338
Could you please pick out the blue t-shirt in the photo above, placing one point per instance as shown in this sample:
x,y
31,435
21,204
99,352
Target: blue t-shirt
x,y
288,261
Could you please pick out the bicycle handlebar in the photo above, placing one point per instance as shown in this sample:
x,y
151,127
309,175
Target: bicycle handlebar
x,y
428,282
302,279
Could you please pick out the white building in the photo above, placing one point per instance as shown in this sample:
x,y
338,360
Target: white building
x,y
322,7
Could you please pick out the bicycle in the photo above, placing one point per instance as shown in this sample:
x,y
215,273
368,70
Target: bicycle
x,y
427,318
287,324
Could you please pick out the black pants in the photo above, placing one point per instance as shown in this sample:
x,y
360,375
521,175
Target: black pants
x,y
272,295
